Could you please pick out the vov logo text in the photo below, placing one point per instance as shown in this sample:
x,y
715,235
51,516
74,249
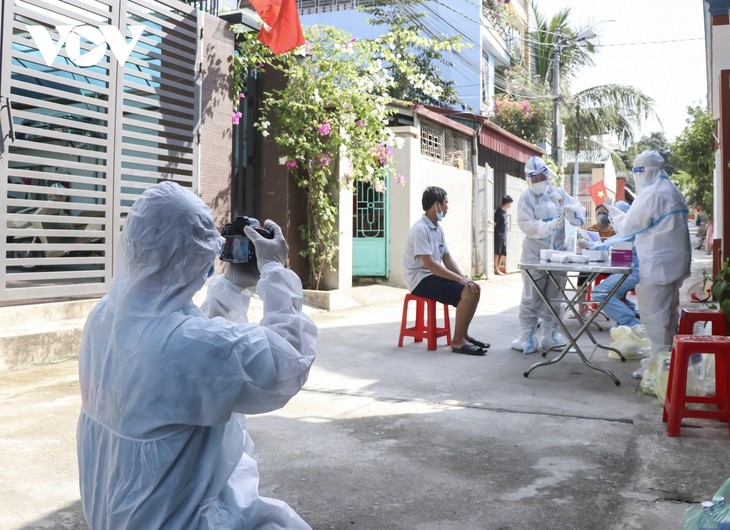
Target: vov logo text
x,y
71,36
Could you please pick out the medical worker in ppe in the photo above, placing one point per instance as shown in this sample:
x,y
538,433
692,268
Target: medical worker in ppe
x,y
657,220
161,436
620,309
542,212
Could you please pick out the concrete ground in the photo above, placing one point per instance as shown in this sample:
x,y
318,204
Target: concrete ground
x,y
383,437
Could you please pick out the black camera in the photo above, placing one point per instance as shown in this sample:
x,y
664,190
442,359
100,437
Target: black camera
x,y
238,248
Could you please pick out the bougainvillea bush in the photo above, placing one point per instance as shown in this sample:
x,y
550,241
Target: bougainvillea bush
x,y
334,109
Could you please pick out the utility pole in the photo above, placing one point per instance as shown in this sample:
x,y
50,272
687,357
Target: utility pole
x,y
577,150
556,151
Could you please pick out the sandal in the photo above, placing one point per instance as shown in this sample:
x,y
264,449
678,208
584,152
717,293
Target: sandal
x,y
469,349
479,344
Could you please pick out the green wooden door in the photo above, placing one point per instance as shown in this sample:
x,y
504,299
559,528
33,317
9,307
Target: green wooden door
x,y
370,231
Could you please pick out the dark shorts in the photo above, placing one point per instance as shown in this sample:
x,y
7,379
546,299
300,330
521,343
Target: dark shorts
x,y
500,246
445,291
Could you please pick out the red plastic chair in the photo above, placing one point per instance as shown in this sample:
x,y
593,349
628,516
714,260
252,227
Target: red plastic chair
x,y
426,325
675,404
688,318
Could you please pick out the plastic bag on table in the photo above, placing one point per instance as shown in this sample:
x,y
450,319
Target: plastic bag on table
x,y
632,342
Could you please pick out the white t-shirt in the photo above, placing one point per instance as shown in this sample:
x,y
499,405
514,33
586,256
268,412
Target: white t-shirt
x,y
424,238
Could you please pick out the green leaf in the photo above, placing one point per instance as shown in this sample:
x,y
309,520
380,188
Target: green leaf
x,y
720,290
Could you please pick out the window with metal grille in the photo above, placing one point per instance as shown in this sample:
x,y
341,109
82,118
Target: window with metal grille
x,y
431,142
457,150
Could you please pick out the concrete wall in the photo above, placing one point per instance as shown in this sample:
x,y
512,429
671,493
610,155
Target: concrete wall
x,y
406,209
719,60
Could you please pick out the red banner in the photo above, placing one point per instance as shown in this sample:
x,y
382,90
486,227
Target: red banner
x,y
598,192
281,30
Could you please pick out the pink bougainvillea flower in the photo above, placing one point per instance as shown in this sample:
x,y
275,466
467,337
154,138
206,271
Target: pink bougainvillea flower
x,y
400,179
236,117
360,123
382,153
241,95
291,163
379,187
325,128
323,159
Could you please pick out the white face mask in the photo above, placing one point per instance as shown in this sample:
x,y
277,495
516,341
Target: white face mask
x,y
538,188
439,215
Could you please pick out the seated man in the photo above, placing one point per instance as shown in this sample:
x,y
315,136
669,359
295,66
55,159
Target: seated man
x,y
431,272
619,308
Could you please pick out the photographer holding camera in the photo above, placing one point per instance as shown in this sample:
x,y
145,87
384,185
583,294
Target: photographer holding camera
x,y
161,435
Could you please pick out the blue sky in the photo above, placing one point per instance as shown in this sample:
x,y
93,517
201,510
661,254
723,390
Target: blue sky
x,y
672,73
654,45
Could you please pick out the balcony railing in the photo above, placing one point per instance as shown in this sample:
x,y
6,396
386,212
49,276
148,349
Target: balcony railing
x,y
210,6
310,7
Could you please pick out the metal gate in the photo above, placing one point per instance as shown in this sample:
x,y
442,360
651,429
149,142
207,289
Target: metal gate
x,y
482,227
515,186
370,231
99,102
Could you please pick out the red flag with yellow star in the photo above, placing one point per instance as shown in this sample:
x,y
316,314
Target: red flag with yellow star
x,y
598,192
281,30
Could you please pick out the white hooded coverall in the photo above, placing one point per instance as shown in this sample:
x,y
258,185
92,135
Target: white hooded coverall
x,y
161,435
658,221
535,214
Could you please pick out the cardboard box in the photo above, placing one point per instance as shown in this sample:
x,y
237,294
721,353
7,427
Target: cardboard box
x,y
596,255
546,254
621,254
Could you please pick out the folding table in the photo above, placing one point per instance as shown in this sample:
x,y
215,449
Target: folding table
x,y
572,294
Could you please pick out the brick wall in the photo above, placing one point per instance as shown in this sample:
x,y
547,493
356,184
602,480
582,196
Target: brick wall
x,y
216,129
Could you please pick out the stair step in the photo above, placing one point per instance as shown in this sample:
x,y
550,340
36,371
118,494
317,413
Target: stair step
x,y
41,333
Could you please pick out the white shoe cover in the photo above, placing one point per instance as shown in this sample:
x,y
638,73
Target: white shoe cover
x,y
553,337
526,343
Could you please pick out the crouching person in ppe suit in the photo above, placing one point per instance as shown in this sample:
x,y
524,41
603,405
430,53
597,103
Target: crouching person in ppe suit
x,y
542,211
161,435
657,220
618,308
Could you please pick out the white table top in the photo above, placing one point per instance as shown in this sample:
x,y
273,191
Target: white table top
x,y
590,267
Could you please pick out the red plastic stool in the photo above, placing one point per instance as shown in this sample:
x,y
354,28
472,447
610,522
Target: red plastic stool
x,y
688,318
675,409
431,331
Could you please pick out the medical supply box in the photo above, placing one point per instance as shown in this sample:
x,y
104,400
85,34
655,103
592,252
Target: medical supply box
x,y
621,254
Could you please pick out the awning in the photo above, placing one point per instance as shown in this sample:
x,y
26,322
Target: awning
x,y
505,143
490,135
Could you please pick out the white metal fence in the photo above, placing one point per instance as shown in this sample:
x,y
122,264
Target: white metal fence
x,y
82,135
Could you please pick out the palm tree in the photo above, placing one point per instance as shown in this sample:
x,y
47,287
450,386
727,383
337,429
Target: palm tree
x,y
613,110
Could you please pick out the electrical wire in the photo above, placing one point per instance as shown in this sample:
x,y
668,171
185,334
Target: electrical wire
x,y
468,66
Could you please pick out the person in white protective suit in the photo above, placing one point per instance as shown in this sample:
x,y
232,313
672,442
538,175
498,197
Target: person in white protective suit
x,y
542,211
657,220
161,436
619,308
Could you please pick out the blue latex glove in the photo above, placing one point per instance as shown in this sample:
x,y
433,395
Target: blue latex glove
x,y
573,216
